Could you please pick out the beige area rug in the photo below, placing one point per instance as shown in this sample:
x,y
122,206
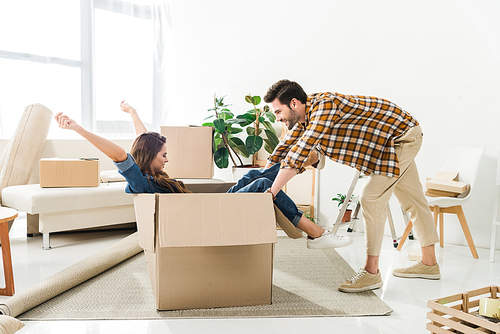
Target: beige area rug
x,y
305,285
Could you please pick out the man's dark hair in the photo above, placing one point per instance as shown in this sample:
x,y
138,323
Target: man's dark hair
x,y
285,90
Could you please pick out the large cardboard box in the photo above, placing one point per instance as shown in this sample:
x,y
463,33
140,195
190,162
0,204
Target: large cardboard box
x,y
57,172
189,151
208,250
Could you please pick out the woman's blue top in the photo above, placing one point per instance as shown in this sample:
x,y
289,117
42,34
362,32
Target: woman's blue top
x,y
137,181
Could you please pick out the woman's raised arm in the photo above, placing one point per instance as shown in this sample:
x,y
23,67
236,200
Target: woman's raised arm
x,y
113,151
139,126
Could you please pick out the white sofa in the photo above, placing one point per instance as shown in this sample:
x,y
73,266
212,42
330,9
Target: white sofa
x,y
52,210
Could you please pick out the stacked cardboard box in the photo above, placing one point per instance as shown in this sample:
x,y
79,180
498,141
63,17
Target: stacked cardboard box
x,y
206,249
445,184
189,151
57,172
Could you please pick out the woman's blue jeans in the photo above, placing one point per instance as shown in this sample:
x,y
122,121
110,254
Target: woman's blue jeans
x,y
258,181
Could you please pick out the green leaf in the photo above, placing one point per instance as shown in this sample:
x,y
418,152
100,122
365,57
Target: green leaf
x,y
238,121
248,98
208,124
251,131
236,130
221,157
268,126
238,146
253,144
208,117
267,147
256,100
273,139
218,143
261,119
248,117
220,125
225,115
271,116
266,108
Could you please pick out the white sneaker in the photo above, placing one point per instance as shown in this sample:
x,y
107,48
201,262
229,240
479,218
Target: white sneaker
x,y
328,240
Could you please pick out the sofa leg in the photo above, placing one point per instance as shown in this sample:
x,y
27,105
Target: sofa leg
x,y
46,241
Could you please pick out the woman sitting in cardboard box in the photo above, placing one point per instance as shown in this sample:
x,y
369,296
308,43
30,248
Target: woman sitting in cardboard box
x,y
143,168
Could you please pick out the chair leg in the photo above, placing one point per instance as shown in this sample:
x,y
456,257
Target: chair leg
x,y
436,214
465,227
405,235
493,241
441,229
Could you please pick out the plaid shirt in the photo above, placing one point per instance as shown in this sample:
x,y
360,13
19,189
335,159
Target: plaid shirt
x,y
357,131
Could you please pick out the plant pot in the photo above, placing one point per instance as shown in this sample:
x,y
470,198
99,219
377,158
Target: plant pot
x,y
347,215
238,172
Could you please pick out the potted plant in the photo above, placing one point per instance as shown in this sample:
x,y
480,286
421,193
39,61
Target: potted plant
x,y
348,212
225,145
257,121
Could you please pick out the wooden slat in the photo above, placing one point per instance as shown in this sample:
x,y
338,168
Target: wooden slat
x,y
453,324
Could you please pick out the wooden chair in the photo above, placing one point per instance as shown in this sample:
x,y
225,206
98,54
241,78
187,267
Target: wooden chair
x,y
466,162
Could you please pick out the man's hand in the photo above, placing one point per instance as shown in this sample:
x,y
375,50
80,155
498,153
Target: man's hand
x,y
65,122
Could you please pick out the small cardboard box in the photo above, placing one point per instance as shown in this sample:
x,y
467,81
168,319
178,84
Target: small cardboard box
x,y
57,172
445,184
189,151
208,250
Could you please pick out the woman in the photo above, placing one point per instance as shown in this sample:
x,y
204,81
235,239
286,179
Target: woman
x,y
143,170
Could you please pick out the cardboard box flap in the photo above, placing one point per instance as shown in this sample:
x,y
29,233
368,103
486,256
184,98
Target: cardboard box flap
x,y
286,225
218,220
207,185
145,210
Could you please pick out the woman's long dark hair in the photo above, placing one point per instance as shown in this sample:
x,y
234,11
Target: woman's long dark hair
x,y
144,149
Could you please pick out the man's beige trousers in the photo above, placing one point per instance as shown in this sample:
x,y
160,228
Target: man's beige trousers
x,y
408,190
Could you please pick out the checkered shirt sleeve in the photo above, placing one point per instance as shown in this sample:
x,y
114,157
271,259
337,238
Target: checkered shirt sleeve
x,y
357,131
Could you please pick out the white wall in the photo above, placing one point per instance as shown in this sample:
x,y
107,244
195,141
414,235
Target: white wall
x,y
437,59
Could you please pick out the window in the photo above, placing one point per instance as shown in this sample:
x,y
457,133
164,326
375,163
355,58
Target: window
x,y
78,57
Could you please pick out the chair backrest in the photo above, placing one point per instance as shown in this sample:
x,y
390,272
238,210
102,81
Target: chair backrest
x,y
465,161
22,152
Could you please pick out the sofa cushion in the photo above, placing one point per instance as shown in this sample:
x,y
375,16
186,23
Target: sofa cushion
x,y
22,151
33,199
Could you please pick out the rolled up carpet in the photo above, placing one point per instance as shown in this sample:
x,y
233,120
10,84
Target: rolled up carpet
x,y
71,276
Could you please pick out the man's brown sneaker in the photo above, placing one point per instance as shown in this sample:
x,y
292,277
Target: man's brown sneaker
x,y
418,270
362,281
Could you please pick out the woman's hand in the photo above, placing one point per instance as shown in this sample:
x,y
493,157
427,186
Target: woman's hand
x,y
127,108
65,122
138,125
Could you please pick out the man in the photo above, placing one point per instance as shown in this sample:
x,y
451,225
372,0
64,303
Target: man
x,y
374,136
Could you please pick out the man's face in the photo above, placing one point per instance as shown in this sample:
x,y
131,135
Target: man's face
x,y
284,114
